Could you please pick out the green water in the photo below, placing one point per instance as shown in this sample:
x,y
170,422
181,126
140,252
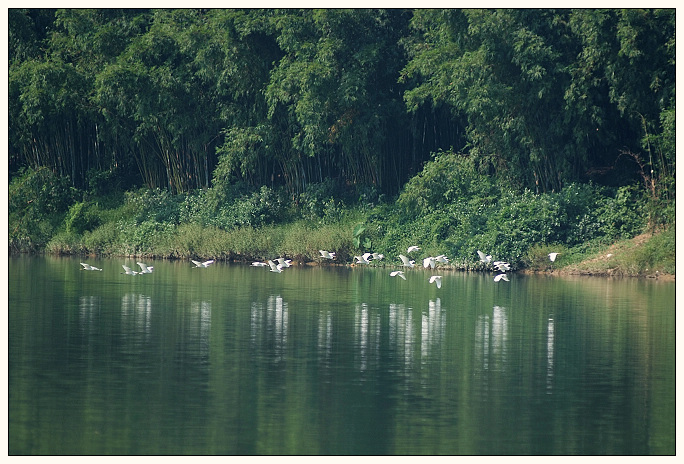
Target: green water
x,y
234,359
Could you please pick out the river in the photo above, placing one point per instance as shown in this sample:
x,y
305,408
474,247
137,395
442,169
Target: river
x,y
237,360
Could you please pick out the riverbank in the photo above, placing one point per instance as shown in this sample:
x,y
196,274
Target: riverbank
x,y
643,256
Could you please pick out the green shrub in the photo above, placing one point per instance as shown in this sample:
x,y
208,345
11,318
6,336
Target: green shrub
x,y
38,201
103,240
622,215
81,217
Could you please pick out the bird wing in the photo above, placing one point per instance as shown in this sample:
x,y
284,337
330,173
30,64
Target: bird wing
x,y
398,273
366,256
143,267
483,257
207,263
197,263
86,266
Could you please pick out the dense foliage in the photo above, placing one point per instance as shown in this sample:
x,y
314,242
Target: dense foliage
x,y
501,129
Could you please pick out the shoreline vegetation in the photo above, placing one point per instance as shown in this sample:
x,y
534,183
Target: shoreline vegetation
x,y
596,231
242,135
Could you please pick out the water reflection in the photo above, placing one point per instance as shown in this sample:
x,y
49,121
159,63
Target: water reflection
x,y
367,334
200,314
400,332
549,355
432,329
491,337
136,314
273,319
88,309
325,334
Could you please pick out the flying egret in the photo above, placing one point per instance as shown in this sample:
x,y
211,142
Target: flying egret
x,y
378,256
88,267
398,273
204,264
145,269
430,262
502,266
363,259
437,279
284,262
501,277
412,248
259,264
129,271
442,259
552,256
327,254
275,267
484,258
406,261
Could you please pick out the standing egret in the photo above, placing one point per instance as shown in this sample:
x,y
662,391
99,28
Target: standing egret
x,y
398,273
129,271
88,267
501,277
327,254
204,264
437,279
145,269
363,259
430,262
406,261
412,248
284,262
552,256
275,267
484,258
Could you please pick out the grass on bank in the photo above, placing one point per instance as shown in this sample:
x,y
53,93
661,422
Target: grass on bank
x,y
644,255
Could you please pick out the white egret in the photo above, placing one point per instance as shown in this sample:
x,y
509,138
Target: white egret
x,y
398,273
378,256
284,262
259,264
406,261
484,258
129,271
363,259
88,267
437,279
552,256
327,254
501,277
275,267
412,248
145,269
430,262
502,266
442,259
204,264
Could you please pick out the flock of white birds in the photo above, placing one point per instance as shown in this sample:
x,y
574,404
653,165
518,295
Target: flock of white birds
x,y
279,264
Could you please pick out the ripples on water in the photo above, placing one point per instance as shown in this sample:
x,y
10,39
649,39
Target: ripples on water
x,y
238,360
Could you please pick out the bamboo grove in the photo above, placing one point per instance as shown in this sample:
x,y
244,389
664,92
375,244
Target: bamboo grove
x,y
183,99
